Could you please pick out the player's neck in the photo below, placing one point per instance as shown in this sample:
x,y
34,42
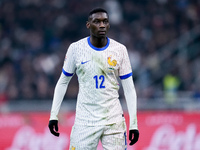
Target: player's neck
x,y
98,42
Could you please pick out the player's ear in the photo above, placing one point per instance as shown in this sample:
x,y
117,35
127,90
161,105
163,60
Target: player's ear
x,y
88,24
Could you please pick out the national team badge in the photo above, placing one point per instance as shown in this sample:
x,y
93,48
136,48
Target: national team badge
x,y
111,62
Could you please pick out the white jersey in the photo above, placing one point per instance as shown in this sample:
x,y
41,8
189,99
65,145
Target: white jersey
x,y
98,70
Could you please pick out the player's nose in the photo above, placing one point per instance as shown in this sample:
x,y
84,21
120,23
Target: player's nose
x,y
102,25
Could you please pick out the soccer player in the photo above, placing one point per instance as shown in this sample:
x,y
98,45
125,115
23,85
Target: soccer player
x,y
98,62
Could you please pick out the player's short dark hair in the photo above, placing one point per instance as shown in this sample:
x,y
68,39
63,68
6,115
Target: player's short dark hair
x,y
96,10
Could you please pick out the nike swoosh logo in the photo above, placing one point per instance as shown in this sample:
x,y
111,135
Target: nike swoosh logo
x,y
83,62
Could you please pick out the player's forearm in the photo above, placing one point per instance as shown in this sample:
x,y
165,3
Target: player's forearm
x,y
131,100
59,93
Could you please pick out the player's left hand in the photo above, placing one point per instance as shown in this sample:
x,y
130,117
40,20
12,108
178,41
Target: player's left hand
x,y
53,127
133,136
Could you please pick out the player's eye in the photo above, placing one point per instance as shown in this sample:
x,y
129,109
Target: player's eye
x,y
96,21
105,21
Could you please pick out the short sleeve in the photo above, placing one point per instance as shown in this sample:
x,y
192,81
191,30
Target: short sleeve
x,y
69,63
125,69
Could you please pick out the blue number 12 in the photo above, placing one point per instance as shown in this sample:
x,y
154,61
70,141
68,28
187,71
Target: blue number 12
x,y
102,79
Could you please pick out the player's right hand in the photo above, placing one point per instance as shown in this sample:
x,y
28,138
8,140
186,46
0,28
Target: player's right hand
x,y
53,127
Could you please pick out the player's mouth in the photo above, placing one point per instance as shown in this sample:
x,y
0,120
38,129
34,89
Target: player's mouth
x,y
102,32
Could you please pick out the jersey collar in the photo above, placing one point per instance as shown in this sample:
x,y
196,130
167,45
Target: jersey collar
x,y
96,48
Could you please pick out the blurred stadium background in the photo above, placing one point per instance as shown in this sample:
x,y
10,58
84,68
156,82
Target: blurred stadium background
x,y
163,41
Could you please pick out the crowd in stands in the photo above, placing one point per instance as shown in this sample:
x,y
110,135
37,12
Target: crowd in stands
x,y
35,35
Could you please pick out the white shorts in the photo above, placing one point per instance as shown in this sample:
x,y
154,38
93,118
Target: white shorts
x,y
113,137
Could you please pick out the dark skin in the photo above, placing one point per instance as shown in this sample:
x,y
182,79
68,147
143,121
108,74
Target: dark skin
x,y
98,24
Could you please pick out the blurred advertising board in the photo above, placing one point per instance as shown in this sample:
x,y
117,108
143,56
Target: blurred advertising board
x,y
159,130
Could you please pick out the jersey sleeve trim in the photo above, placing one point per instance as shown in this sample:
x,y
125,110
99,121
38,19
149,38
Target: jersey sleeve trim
x,y
96,48
66,73
126,76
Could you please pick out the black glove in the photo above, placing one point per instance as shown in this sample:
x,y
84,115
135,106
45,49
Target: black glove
x,y
134,138
53,124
